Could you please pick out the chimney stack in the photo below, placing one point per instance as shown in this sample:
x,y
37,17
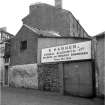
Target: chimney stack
x,y
58,4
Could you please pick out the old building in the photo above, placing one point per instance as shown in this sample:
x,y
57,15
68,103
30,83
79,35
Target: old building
x,y
24,57
54,18
43,21
1,61
4,55
100,63
64,69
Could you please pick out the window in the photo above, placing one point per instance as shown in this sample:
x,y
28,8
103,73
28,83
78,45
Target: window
x,y
23,45
7,60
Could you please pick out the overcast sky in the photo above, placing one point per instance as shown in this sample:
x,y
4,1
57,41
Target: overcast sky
x,y
90,13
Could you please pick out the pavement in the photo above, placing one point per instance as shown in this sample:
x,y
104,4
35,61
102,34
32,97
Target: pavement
x,y
21,96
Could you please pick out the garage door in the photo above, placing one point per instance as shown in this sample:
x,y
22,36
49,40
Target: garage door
x,y
78,78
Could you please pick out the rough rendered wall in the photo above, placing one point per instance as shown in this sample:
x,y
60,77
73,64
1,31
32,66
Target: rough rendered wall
x,y
24,76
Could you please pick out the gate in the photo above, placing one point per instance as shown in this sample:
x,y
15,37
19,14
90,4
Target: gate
x,y
6,76
78,78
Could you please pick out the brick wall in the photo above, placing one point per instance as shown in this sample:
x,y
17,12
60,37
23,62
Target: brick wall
x,y
47,17
29,55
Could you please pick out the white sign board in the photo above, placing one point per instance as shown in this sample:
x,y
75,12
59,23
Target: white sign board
x,y
76,51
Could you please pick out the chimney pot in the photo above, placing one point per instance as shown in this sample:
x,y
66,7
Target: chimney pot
x,y
58,3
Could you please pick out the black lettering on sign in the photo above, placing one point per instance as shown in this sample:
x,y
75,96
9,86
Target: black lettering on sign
x,y
55,49
74,46
49,50
62,48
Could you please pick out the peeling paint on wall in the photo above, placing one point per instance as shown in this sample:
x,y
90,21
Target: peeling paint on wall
x,y
24,76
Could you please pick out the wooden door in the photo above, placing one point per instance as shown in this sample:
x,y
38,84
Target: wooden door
x,y
78,78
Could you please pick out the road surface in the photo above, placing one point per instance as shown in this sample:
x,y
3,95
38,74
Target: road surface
x,y
21,96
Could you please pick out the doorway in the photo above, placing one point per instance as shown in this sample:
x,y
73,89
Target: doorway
x,y
6,76
78,78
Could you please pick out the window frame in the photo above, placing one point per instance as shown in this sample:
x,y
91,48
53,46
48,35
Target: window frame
x,y
23,45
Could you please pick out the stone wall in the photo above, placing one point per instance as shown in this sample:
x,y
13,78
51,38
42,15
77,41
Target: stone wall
x,y
24,76
48,77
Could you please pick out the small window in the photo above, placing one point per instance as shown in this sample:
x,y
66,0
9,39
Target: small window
x,y
7,60
23,45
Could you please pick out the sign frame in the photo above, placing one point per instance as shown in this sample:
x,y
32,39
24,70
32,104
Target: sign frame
x,y
68,52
